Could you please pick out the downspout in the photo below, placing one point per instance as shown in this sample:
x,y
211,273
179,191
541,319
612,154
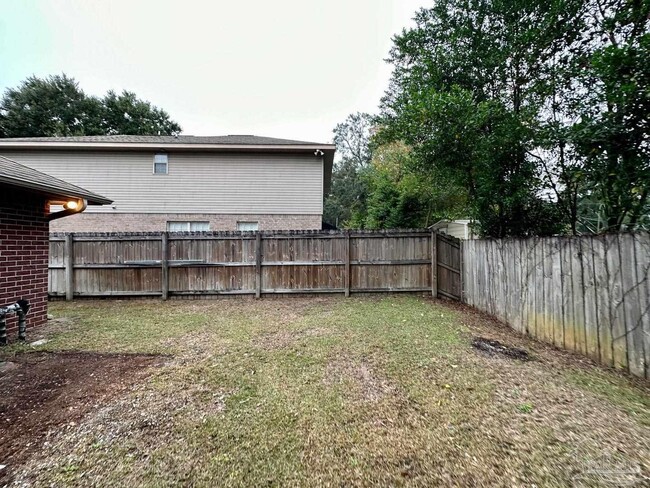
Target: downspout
x,y
69,208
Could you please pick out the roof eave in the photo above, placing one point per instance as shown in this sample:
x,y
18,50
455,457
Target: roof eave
x,y
165,146
92,199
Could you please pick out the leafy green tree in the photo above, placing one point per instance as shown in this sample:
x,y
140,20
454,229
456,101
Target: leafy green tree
x,y
347,197
377,186
401,197
610,102
56,106
470,82
349,190
126,114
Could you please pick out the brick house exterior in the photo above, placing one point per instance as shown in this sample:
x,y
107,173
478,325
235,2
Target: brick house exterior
x,y
24,246
136,222
25,199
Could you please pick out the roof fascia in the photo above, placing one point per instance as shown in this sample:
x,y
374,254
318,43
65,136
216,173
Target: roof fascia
x,y
166,146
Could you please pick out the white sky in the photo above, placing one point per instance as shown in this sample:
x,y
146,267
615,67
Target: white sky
x,y
282,68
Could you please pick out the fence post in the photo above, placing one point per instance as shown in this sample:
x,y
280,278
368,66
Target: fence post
x,y
69,267
461,253
164,263
434,264
258,265
347,263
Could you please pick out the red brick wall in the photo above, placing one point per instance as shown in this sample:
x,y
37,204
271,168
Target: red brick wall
x,y
123,222
24,250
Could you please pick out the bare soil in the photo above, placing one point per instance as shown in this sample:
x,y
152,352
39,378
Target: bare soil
x,y
490,347
51,392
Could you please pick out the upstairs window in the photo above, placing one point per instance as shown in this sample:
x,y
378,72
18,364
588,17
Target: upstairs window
x,y
160,164
188,226
248,226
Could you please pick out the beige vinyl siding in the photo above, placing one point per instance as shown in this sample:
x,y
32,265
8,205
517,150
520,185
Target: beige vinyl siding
x,y
196,183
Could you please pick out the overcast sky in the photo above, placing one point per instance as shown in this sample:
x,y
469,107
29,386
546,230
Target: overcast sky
x,y
283,68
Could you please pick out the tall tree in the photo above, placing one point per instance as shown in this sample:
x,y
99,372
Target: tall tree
x,y
469,83
56,106
540,109
401,197
126,114
352,139
349,190
610,102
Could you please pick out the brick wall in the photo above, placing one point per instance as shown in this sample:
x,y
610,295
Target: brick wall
x,y
24,251
122,222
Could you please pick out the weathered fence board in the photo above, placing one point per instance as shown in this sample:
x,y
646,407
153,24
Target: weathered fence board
x,y
587,294
642,327
168,264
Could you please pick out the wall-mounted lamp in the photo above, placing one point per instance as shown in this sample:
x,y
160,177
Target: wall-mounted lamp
x,y
69,207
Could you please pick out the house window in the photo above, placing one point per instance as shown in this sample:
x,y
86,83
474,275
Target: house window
x,y
248,226
160,164
188,226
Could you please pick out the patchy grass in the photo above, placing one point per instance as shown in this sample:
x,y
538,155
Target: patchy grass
x,y
525,408
615,389
312,392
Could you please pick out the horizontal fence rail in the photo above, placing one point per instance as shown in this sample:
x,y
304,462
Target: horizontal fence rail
x,y
588,294
253,263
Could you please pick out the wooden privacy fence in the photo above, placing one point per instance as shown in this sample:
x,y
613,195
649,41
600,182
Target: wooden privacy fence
x,y
255,263
588,294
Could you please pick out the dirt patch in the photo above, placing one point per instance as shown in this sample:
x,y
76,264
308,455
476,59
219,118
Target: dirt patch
x,y
46,392
483,324
286,338
364,379
492,347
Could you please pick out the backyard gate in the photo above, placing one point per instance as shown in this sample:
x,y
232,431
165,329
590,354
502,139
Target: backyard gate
x,y
448,276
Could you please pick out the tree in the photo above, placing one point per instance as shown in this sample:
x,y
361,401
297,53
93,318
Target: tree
x,y
540,109
56,106
349,191
347,195
126,114
400,197
611,106
352,139
470,82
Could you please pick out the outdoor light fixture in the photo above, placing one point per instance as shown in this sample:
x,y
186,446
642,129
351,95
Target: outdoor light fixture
x,y
69,207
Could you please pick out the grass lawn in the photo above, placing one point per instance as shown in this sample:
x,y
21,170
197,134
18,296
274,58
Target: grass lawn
x,y
336,392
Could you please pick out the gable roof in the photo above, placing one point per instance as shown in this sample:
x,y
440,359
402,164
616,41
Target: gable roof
x,y
236,140
21,176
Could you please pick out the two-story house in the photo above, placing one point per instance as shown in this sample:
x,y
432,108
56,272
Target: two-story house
x,y
186,183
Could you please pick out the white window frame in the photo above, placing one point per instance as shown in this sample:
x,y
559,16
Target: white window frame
x,y
156,161
247,226
189,225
